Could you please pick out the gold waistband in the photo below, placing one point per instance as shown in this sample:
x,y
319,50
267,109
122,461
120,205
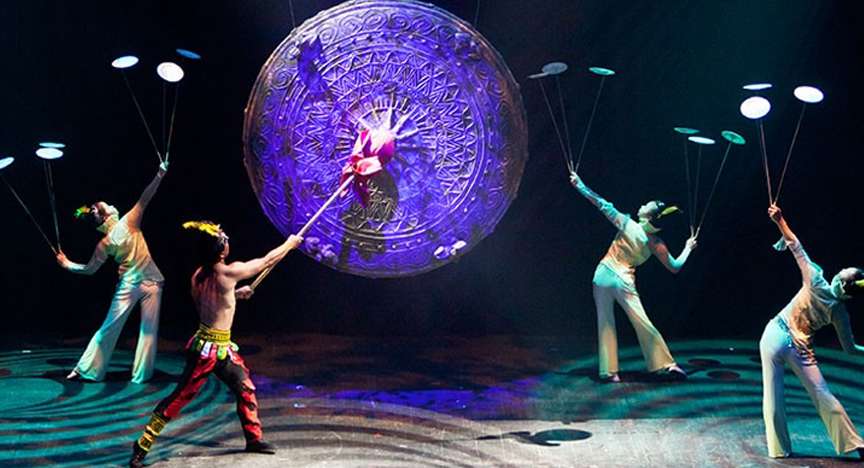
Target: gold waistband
x,y
205,333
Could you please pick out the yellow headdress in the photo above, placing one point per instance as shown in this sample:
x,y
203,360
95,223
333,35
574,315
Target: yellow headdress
x,y
668,211
206,227
82,211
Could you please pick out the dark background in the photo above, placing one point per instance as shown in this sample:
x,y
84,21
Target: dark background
x,y
679,63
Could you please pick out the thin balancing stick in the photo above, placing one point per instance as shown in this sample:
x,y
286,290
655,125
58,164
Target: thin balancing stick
x,y
590,121
29,214
555,125
477,15
171,126
141,114
696,185
689,188
564,118
164,132
49,182
307,226
765,161
789,153
713,187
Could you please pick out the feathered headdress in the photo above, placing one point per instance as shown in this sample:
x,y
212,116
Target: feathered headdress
x,y
206,227
668,211
82,211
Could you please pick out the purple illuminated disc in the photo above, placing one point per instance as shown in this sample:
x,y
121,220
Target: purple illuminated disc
x,y
460,126
701,140
49,153
6,162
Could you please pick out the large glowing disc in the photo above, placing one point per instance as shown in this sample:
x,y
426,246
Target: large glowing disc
x,y
188,54
6,162
701,140
49,153
51,144
601,71
451,179
686,130
809,94
554,68
757,86
733,137
170,72
755,107
125,61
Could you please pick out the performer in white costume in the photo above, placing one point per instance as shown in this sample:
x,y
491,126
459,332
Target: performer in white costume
x,y
140,281
787,341
615,281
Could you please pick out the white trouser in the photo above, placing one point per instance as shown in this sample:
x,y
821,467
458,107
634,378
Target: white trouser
x,y
94,361
608,289
776,350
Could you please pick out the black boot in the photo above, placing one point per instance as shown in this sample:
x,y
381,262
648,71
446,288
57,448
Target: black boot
x,y
138,454
260,446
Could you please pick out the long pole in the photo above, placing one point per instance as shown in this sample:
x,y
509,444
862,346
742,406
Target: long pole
x,y
713,187
567,159
765,161
307,226
590,121
52,200
789,153
141,114
29,214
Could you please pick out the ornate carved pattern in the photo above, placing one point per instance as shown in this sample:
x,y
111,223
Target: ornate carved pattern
x,y
459,157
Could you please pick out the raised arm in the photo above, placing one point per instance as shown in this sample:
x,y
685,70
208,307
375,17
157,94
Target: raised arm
x,y
239,271
809,270
840,320
673,264
136,214
614,216
99,256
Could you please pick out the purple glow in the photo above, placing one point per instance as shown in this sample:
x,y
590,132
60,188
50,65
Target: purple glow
x,y
460,147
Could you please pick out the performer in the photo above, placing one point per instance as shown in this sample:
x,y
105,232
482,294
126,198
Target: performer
x,y
787,340
140,281
615,281
210,350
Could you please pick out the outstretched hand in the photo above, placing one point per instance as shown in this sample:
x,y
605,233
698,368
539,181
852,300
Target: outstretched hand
x,y
61,259
244,292
575,180
691,243
775,213
293,241
163,169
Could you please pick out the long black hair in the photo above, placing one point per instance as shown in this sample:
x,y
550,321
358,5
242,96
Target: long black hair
x,y
209,245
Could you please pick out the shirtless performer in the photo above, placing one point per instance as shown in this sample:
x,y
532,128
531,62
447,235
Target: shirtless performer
x,y
210,350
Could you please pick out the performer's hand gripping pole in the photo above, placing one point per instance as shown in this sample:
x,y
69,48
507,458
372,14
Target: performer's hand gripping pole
x,y
345,184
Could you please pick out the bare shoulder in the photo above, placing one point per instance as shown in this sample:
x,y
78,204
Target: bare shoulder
x,y
224,274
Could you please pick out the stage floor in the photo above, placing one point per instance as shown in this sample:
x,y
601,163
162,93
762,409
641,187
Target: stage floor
x,y
486,401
